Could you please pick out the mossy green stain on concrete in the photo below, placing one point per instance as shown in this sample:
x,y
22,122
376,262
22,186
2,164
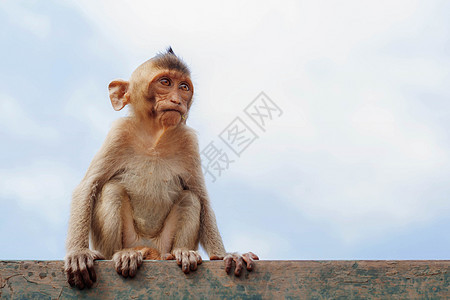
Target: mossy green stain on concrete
x,y
270,279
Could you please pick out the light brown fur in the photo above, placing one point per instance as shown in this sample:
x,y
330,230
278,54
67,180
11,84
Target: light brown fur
x,y
144,195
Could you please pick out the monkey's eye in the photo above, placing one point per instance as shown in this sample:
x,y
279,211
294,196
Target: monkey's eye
x,y
165,81
184,87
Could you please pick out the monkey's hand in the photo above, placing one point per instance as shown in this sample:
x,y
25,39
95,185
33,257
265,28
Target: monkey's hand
x,y
187,259
247,258
79,267
127,261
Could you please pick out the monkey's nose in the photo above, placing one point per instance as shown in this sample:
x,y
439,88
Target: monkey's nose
x,y
175,100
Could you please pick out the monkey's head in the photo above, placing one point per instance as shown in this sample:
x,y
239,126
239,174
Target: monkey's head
x,y
160,89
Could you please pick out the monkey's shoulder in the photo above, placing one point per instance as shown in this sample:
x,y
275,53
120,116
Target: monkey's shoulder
x,y
120,134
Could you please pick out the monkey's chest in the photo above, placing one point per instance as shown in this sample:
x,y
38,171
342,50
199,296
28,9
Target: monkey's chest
x,y
153,188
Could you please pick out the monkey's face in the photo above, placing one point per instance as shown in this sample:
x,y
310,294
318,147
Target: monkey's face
x,y
160,90
171,93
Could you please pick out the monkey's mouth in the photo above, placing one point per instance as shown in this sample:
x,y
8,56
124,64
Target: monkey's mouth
x,y
172,109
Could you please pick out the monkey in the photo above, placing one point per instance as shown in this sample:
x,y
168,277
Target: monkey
x,y
144,194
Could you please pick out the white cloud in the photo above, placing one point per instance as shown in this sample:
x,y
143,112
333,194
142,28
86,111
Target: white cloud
x,y
44,187
15,121
20,15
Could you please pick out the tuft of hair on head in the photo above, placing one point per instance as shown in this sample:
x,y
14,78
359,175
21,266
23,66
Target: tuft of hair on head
x,y
169,50
170,61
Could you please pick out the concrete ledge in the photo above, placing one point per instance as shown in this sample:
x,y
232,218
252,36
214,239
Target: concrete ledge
x,y
269,280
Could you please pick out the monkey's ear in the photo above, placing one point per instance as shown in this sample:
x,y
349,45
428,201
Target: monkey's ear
x,y
118,94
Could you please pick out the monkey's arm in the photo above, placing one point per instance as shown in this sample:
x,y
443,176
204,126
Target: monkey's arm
x,y
79,265
79,260
210,237
81,213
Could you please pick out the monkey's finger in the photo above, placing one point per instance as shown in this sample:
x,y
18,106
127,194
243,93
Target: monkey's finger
x,y
168,256
215,257
77,274
133,265
140,259
239,265
125,265
253,256
118,264
193,261
84,271
178,257
228,263
199,258
248,260
67,262
69,272
71,279
91,270
97,255
185,262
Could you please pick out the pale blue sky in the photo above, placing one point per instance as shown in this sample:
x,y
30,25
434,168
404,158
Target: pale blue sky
x,y
356,167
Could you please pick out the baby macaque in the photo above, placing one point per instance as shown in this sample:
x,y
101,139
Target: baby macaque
x,y
144,194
